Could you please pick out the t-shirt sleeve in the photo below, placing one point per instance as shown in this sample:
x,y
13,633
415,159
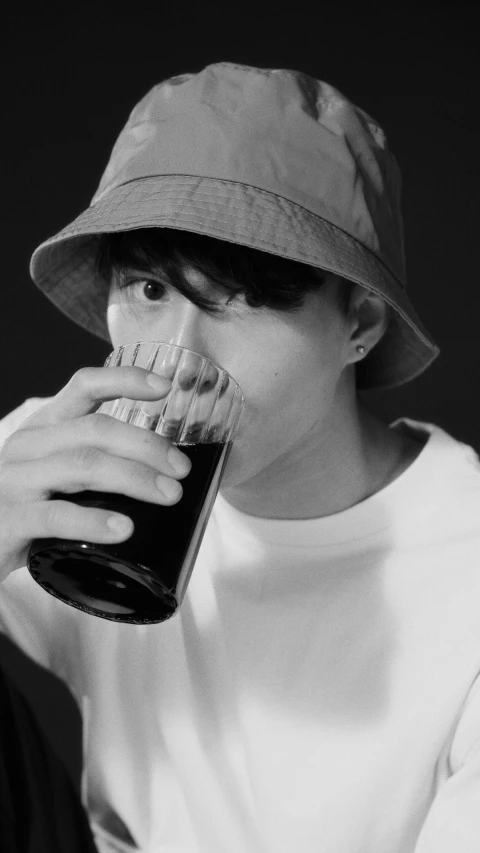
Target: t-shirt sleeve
x,y
14,419
453,822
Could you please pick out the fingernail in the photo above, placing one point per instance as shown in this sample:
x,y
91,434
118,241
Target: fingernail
x,y
158,383
170,488
178,462
119,523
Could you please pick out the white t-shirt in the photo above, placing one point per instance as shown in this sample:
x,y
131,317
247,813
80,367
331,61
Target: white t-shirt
x,y
318,690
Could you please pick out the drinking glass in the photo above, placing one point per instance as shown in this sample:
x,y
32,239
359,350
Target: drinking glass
x,y
143,580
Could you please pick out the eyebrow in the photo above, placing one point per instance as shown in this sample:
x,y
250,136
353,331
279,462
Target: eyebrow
x,y
212,306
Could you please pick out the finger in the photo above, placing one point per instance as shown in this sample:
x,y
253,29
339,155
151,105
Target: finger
x,y
90,386
63,520
103,432
87,469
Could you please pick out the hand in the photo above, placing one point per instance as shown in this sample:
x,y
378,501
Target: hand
x,y
67,447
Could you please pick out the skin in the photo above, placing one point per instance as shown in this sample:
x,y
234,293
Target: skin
x,y
307,446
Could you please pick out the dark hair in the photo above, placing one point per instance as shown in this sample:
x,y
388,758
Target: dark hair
x,y
264,279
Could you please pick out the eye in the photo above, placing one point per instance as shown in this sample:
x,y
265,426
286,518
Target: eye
x,y
152,290
237,300
148,289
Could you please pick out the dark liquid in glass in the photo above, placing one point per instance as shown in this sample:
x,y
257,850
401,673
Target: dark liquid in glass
x,y
143,579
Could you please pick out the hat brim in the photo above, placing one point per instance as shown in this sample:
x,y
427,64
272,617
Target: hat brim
x,y
64,267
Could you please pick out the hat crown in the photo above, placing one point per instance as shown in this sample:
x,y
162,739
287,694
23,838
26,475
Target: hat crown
x,y
280,131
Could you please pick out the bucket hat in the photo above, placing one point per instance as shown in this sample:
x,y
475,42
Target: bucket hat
x,y
267,158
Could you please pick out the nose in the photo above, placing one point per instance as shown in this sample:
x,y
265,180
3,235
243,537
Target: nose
x,y
187,327
190,328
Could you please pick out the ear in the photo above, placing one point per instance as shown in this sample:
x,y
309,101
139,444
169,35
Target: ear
x,y
368,320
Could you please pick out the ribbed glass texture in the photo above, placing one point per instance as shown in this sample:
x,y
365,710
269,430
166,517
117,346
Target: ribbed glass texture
x,y
203,405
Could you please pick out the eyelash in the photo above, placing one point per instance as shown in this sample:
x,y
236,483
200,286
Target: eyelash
x,y
130,282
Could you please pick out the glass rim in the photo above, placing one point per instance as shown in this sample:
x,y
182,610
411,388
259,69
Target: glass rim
x,y
185,349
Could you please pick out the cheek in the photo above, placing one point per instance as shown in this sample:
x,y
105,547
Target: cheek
x,y
285,393
123,328
281,410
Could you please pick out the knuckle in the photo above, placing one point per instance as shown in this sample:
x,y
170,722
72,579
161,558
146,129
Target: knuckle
x,y
82,378
97,426
14,443
88,458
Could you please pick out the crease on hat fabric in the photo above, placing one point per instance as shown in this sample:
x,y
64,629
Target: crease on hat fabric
x,y
309,246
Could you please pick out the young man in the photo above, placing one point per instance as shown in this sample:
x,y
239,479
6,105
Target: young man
x,y
319,687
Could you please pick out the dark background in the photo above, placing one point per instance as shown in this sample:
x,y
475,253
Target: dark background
x,y
73,73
